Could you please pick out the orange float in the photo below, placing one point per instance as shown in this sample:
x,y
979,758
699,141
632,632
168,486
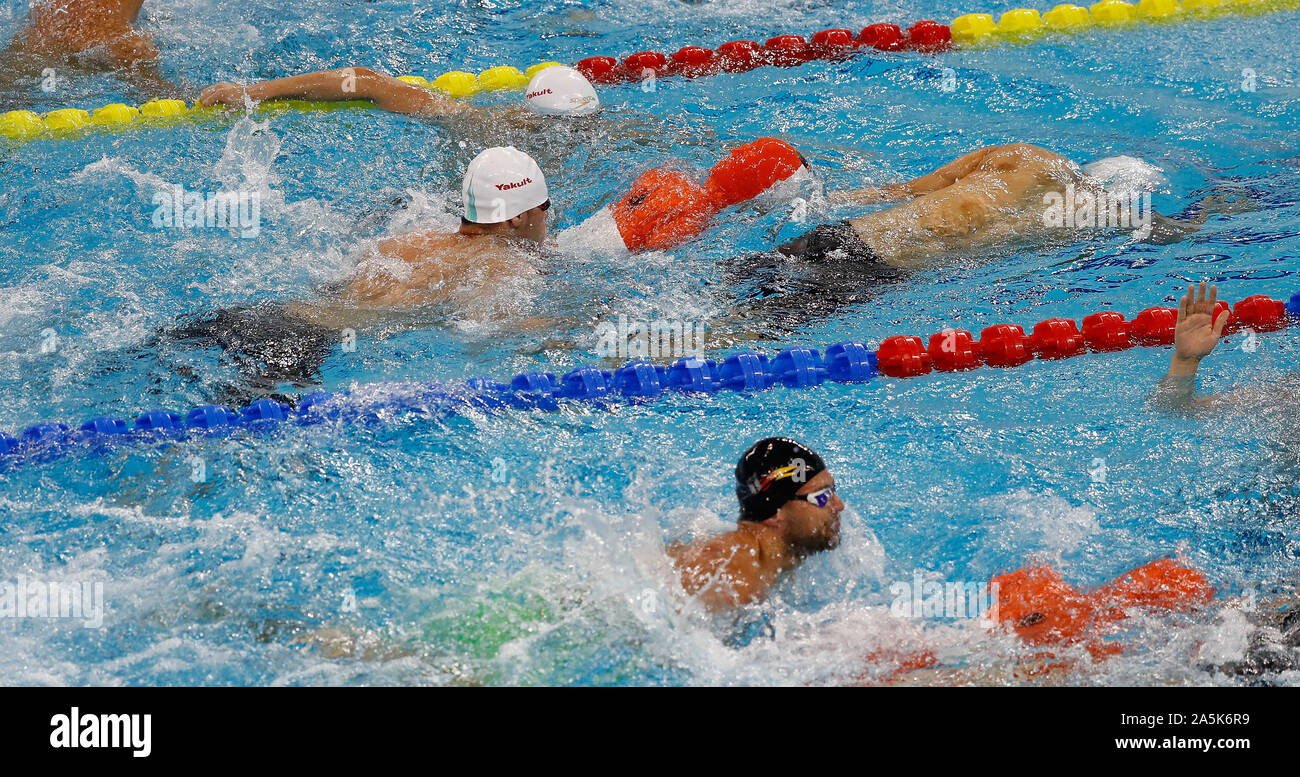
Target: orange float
x,y
1043,609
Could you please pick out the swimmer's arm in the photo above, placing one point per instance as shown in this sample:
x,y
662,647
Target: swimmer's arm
x,y
341,84
736,327
540,323
1176,391
1166,230
661,133
151,82
1195,336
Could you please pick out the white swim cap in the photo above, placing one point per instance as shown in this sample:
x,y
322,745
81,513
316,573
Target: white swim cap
x,y
1119,174
800,183
500,184
561,91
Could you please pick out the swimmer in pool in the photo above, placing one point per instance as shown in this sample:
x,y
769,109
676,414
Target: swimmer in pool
x,y
553,91
664,207
495,249
88,35
560,109
788,511
1274,645
341,84
480,271
1195,336
981,199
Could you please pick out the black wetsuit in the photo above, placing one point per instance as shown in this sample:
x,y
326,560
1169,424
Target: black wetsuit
x,y
832,243
1269,653
815,276
269,345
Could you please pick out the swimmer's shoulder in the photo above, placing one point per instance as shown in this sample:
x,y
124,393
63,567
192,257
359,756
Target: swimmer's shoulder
x,y
725,553
429,250
718,571
418,246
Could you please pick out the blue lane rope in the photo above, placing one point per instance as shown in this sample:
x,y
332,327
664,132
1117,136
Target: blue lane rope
x,y
638,381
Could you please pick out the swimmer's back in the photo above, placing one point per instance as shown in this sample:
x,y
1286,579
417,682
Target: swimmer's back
x,y
428,267
998,198
61,27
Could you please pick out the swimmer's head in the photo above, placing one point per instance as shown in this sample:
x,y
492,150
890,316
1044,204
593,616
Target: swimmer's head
x,y
753,169
561,91
801,183
505,192
1118,174
780,478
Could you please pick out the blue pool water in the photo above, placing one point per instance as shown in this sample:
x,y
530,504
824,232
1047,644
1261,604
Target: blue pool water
x,y
526,547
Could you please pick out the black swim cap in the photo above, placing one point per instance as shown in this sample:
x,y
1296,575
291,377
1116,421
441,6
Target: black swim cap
x,y
770,473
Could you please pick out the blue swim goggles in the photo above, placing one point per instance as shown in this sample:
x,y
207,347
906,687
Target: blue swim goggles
x,y
821,497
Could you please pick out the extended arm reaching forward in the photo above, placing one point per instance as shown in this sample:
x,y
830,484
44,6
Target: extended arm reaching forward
x,y
348,83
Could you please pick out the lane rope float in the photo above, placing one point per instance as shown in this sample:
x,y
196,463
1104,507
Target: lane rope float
x,y
641,381
1019,25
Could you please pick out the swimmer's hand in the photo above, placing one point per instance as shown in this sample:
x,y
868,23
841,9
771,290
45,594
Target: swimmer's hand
x,y
1195,336
224,93
1197,331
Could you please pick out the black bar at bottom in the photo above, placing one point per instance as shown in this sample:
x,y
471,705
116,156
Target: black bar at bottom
x,y
297,727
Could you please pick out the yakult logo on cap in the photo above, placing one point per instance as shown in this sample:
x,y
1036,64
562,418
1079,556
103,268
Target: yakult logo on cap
x,y
522,185
561,91
508,186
